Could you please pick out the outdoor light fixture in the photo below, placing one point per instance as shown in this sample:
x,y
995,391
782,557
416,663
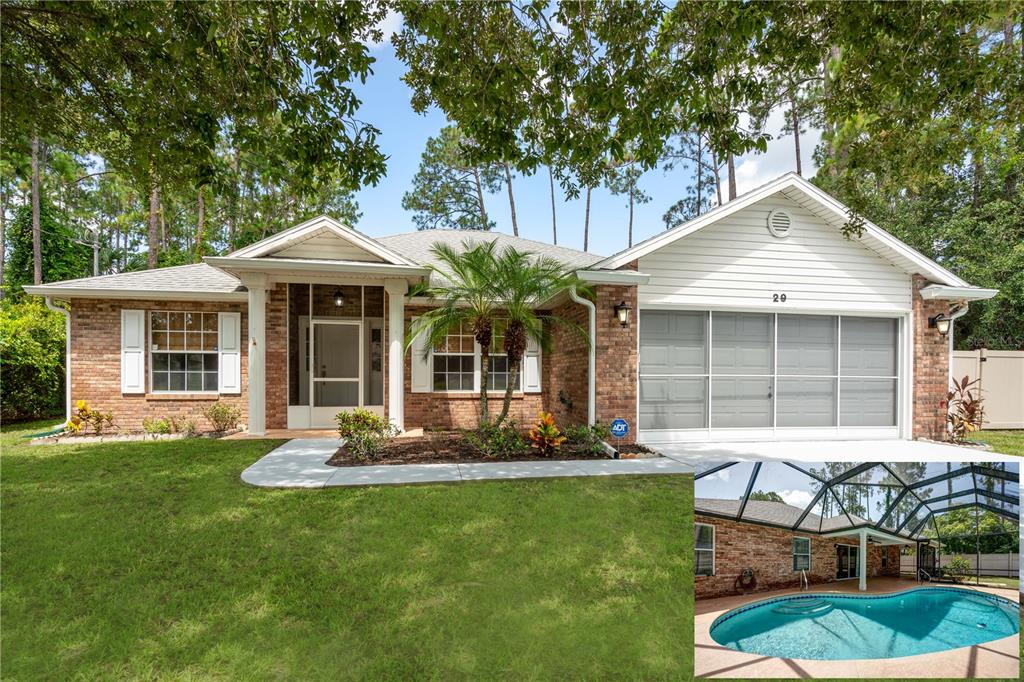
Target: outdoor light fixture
x,y
622,312
339,298
940,322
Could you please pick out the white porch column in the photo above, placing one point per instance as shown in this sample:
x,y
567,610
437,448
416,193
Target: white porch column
x,y
257,285
862,559
396,290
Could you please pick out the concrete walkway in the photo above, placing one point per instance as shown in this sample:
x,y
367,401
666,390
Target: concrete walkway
x,y
300,463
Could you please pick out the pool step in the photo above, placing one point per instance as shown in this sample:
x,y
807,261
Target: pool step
x,y
805,607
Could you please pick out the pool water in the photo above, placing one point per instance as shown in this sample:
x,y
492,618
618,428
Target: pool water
x,y
841,627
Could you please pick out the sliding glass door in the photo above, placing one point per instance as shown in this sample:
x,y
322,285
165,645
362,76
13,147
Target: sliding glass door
x,y
739,370
847,565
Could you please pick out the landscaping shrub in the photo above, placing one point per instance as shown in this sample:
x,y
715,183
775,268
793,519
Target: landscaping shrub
x,y
958,568
545,436
222,417
31,361
365,433
498,442
85,416
157,425
964,410
588,439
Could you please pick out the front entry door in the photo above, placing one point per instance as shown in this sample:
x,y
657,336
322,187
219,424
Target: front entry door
x,y
847,565
337,353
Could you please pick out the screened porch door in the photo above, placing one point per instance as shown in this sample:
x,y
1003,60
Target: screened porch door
x,y
335,365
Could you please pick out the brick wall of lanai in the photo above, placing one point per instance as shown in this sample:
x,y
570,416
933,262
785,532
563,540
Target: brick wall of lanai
x,y
769,552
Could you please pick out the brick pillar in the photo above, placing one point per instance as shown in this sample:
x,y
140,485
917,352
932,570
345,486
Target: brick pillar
x,y
616,358
931,367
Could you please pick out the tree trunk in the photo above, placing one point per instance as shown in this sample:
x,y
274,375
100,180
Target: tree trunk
x,y
3,239
513,378
795,115
718,176
37,235
236,198
630,237
730,162
154,235
511,199
554,223
480,199
485,379
586,223
700,173
200,222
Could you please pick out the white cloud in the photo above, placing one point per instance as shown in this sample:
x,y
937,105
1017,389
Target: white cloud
x,y
391,23
723,475
797,498
754,170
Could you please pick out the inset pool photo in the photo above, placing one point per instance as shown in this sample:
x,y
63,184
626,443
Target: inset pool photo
x,y
857,569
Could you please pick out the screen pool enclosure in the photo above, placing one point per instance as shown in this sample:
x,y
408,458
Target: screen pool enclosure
x,y
970,508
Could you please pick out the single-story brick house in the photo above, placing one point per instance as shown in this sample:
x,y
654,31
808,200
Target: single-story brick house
x,y
755,321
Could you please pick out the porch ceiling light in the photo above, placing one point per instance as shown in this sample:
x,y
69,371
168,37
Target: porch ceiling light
x,y
940,322
339,298
622,312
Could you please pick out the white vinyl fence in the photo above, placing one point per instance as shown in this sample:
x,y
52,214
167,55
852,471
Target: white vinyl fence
x,y
1002,383
1005,565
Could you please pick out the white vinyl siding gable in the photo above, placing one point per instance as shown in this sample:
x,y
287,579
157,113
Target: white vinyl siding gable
x,y
737,263
326,246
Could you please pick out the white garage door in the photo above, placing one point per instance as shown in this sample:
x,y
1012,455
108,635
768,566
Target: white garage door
x,y
729,375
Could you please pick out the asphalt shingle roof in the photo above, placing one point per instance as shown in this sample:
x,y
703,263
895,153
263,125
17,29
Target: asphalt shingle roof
x,y
200,278
778,513
417,246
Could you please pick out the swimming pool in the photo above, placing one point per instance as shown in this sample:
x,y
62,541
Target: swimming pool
x,y
844,627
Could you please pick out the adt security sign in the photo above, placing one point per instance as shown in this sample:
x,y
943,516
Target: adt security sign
x,y
620,428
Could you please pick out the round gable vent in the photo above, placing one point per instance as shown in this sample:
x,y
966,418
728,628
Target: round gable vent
x,y
779,223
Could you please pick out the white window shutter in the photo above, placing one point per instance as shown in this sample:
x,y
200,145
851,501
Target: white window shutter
x,y
422,379
133,351
531,367
229,345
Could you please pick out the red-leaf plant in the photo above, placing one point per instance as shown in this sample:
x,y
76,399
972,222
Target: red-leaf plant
x,y
964,412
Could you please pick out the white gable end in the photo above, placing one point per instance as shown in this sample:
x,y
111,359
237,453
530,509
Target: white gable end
x,y
326,246
736,262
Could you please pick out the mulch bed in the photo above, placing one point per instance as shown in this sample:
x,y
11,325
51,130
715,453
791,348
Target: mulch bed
x,y
446,448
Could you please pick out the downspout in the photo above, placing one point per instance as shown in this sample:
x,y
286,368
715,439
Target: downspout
x,y
953,317
592,359
67,357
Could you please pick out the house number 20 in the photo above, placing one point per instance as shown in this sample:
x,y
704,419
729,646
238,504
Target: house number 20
x,y
778,298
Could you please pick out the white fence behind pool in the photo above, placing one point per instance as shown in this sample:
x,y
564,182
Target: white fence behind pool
x,y
1002,383
1005,565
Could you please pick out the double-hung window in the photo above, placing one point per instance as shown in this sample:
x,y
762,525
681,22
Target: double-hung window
x,y
704,546
183,351
801,554
498,373
454,358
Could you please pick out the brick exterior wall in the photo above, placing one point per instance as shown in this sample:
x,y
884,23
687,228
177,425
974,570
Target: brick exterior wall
x,y
276,357
616,358
96,364
931,366
565,373
461,410
769,552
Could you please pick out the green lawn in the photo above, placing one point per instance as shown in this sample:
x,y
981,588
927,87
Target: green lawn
x,y
1006,442
154,561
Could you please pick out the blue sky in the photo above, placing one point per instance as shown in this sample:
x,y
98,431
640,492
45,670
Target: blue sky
x,y
404,134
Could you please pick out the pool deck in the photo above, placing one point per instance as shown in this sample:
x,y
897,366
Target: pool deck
x,y
998,659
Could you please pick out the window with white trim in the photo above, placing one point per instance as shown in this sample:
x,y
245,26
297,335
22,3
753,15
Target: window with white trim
x,y
454,360
183,351
704,548
499,371
801,554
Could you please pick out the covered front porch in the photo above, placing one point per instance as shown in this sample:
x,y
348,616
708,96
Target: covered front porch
x,y
326,325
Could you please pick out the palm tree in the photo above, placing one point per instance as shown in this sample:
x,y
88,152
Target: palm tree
x,y
524,282
466,288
